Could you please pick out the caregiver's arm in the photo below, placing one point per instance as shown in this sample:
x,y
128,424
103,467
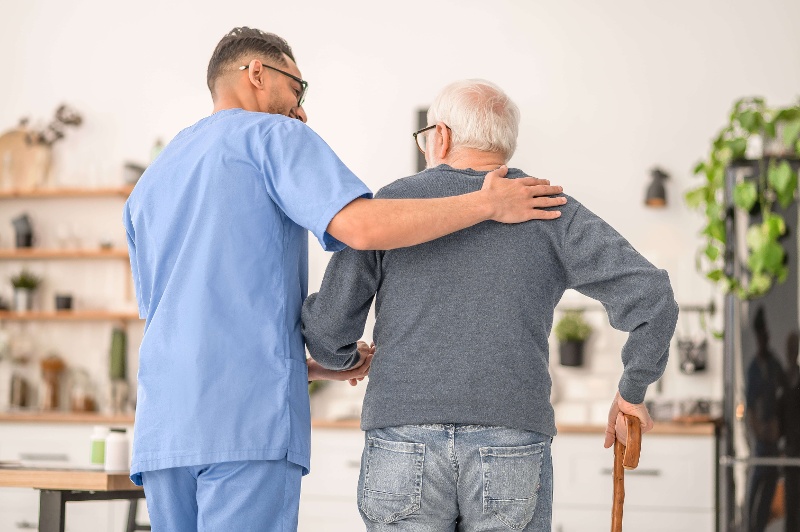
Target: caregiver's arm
x,y
394,223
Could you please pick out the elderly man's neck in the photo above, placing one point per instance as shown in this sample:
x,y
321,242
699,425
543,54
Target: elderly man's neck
x,y
464,158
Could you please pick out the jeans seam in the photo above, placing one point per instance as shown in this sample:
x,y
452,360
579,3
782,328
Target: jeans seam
x,y
451,445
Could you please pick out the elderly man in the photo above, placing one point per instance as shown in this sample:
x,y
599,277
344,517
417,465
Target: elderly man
x,y
218,238
457,414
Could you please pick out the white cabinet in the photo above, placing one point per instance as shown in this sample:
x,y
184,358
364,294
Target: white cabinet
x,y
328,493
671,490
578,520
55,443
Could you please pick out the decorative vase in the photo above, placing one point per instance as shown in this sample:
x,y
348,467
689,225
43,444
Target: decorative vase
x,y
571,353
23,230
39,163
23,299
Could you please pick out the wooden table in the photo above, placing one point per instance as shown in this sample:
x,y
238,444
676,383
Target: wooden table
x,y
60,486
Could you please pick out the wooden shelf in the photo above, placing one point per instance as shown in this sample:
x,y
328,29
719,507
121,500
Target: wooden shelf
x,y
87,418
62,254
69,315
38,193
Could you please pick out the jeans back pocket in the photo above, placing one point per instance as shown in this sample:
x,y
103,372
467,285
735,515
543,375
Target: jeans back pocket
x,y
392,473
511,482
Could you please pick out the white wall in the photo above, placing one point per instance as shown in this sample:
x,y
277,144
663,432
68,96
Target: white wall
x,y
607,89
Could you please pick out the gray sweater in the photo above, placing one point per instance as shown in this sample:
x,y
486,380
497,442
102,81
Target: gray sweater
x,y
462,322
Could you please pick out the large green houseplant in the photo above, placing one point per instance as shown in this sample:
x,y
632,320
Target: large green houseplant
x,y
751,125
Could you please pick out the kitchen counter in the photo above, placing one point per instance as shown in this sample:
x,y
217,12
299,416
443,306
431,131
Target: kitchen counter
x,y
671,428
703,427
87,418
667,428
95,418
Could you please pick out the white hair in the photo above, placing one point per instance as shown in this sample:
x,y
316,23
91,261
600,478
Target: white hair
x,y
480,115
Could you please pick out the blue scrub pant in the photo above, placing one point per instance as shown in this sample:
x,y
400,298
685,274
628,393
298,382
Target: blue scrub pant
x,y
261,496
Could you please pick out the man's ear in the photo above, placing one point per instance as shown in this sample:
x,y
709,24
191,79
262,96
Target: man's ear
x,y
442,142
256,73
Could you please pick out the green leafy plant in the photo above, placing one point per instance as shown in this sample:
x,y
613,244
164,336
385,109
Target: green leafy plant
x,y
778,129
572,327
25,280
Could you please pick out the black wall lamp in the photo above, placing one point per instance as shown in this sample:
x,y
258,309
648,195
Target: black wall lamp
x,y
656,193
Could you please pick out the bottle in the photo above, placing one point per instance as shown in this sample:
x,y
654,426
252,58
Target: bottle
x,y
99,446
156,150
117,450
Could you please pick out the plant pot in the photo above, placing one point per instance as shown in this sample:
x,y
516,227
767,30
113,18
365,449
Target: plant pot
x,y
63,302
23,300
571,353
24,240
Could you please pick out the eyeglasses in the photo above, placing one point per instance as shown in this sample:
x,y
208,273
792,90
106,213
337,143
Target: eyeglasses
x,y
303,84
422,140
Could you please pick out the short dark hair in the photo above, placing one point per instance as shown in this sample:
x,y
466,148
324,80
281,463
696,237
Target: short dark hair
x,y
241,41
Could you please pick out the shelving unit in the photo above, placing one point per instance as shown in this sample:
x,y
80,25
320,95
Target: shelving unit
x,y
69,315
44,193
58,328
42,254
87,418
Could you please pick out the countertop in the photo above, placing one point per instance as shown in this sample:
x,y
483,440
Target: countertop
x,y
87,418
704,427
688,427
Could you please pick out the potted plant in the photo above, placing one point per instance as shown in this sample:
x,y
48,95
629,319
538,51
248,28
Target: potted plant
x,y
24,285
571,331
766,140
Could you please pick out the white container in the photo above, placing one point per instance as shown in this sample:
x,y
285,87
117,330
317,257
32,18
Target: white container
x,y
98,438
117,451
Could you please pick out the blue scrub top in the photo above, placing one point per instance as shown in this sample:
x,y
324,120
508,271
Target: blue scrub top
x,y
217,233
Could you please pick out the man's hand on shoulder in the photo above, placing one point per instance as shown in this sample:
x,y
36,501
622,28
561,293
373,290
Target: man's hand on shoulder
x,y
520,200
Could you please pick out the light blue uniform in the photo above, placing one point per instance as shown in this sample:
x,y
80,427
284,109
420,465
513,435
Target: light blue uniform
x,y
217,233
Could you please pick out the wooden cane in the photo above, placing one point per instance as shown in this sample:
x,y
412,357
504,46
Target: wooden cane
x,y
625,457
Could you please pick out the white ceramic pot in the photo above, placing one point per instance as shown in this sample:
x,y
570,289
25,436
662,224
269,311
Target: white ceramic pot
x,y
23,299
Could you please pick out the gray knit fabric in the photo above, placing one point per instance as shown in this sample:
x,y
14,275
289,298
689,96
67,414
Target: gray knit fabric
x,y
462,323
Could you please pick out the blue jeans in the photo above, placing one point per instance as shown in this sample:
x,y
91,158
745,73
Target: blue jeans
x,y
257,496
465,478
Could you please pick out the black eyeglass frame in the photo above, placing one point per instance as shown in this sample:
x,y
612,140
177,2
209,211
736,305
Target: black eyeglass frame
x,y
423,130
303,83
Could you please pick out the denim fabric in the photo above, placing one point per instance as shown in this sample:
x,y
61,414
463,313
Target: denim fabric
x,y
447,478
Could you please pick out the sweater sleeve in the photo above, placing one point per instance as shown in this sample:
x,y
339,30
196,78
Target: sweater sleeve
x,y
334,317
637,296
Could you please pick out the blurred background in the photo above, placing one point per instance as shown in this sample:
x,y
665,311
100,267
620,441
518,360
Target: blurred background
x,y
610,93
